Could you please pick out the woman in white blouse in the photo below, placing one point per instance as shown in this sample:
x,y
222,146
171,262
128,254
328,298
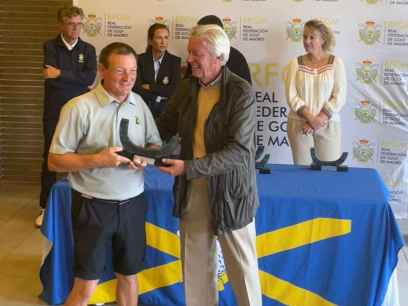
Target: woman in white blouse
x,y
315,86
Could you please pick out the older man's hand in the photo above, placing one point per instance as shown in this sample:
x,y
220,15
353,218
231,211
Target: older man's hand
x,y
138,163
173,167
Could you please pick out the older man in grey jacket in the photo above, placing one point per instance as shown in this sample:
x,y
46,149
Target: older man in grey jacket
x,y
215,190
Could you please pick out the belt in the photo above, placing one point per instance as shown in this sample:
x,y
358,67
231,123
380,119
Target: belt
x,y
112,202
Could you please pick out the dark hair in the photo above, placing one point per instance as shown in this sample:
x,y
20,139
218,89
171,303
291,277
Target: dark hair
x,y
68,12
115,48
153,28
210,19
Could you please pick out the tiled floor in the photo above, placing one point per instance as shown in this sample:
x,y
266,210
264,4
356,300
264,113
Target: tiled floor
x,y
21,248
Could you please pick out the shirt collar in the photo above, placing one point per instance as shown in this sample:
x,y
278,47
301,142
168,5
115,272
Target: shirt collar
x,y
213,82
104,98
69,46
160,59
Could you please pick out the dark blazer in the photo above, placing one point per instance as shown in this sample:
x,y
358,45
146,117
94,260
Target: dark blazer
x,y
238,64
167,78
229,137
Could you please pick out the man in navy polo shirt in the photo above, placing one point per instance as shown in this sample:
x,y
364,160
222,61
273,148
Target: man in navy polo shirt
x,y
69,70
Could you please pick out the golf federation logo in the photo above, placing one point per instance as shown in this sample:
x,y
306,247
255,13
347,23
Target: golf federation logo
x,y
363,151
371,1
295,30
367,72
370,33
230,27
365,112
93,25
160,19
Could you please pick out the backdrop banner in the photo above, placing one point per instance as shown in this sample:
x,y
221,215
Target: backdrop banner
x,y
372,39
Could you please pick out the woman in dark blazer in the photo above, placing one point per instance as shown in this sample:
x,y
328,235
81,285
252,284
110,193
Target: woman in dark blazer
x,y
158,71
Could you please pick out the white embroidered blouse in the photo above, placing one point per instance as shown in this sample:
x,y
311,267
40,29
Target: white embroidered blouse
x,y
324,87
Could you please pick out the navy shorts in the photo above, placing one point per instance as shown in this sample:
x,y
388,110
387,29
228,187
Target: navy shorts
x,y
102,227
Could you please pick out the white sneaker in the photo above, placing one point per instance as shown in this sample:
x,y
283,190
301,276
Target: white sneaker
x,y
39,220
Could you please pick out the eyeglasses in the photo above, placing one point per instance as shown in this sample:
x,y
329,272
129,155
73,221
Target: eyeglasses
x,y
73,24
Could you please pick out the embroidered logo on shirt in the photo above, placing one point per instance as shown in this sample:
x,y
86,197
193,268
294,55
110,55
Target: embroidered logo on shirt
x,y
166,80
81,58
137,120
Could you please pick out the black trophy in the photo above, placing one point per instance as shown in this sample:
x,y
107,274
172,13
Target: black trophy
x,y
153,156
318,164
260,162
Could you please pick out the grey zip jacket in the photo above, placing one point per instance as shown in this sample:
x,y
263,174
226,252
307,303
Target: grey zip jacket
x,y
229,137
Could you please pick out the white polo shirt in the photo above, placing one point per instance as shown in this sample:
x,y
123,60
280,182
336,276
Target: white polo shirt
x,y
90,123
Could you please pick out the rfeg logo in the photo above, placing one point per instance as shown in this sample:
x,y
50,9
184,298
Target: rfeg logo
x,y
363,150
371,1
367,72
370,32
159,19
230,27
295,29
92,25
365,111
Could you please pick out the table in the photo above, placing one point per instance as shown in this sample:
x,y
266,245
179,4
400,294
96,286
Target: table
x,y
323,238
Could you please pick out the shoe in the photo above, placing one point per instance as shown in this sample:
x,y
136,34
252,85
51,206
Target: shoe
x,y
39,220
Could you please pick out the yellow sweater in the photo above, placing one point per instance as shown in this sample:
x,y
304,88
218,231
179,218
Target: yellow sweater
x,y
207,98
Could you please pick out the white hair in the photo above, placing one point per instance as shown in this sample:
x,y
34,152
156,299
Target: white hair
x,y
218,41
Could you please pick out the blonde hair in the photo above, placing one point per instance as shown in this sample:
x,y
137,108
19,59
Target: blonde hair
x,y
326,33
217,39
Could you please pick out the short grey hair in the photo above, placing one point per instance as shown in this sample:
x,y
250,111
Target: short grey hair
x,y
218,41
